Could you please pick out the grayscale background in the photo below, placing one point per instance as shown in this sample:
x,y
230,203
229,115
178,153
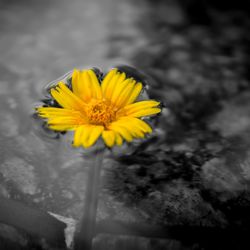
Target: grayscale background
x,y
193,172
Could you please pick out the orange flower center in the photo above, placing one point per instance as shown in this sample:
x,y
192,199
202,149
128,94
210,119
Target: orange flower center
x,y
100,112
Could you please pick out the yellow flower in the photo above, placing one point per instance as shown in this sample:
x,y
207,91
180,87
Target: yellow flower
x,y
92,109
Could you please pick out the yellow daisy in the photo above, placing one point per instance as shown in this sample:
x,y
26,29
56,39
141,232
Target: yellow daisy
x,y
93,109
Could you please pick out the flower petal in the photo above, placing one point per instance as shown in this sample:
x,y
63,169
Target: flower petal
x,y
144,127
90,135
107,79
135,93
111,86
61,119
122,130
141,105
137,132
118,139
135,122
50,112
134,126
78,136
53,113
125,94
146,112
86,85
75,82
119,88
109,137
95,85
60,99
139,109
66,98
61,127
95,132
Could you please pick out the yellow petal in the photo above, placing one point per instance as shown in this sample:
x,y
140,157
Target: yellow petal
x,y
86,85
95,132
62,124
62,128
107,80
75,82
63,121
137,132
62,116
122,130
95,85
125,94
108,137
119,86
111,86
47,112
146,112
135,126
61,99
78,136
143,125
84,135
134,107
135,122
90,135
139,109
118,139
66,98
135,93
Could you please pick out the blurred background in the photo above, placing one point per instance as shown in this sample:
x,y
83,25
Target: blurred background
x,y
193,172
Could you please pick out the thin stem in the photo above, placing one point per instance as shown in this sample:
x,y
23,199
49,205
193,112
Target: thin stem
x,y
83,239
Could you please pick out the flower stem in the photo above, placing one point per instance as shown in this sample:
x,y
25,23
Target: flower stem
x,y
83,239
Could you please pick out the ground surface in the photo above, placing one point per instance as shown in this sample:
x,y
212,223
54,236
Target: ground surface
x,y
195,168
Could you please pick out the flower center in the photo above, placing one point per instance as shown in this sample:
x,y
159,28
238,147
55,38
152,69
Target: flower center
x,y
100,112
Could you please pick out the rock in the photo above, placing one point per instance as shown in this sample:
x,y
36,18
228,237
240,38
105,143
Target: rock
x,y
21,174
12,239
234,118
218,176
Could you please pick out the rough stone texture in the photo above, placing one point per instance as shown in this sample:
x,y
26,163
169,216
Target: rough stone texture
x,y
21,173
195,168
